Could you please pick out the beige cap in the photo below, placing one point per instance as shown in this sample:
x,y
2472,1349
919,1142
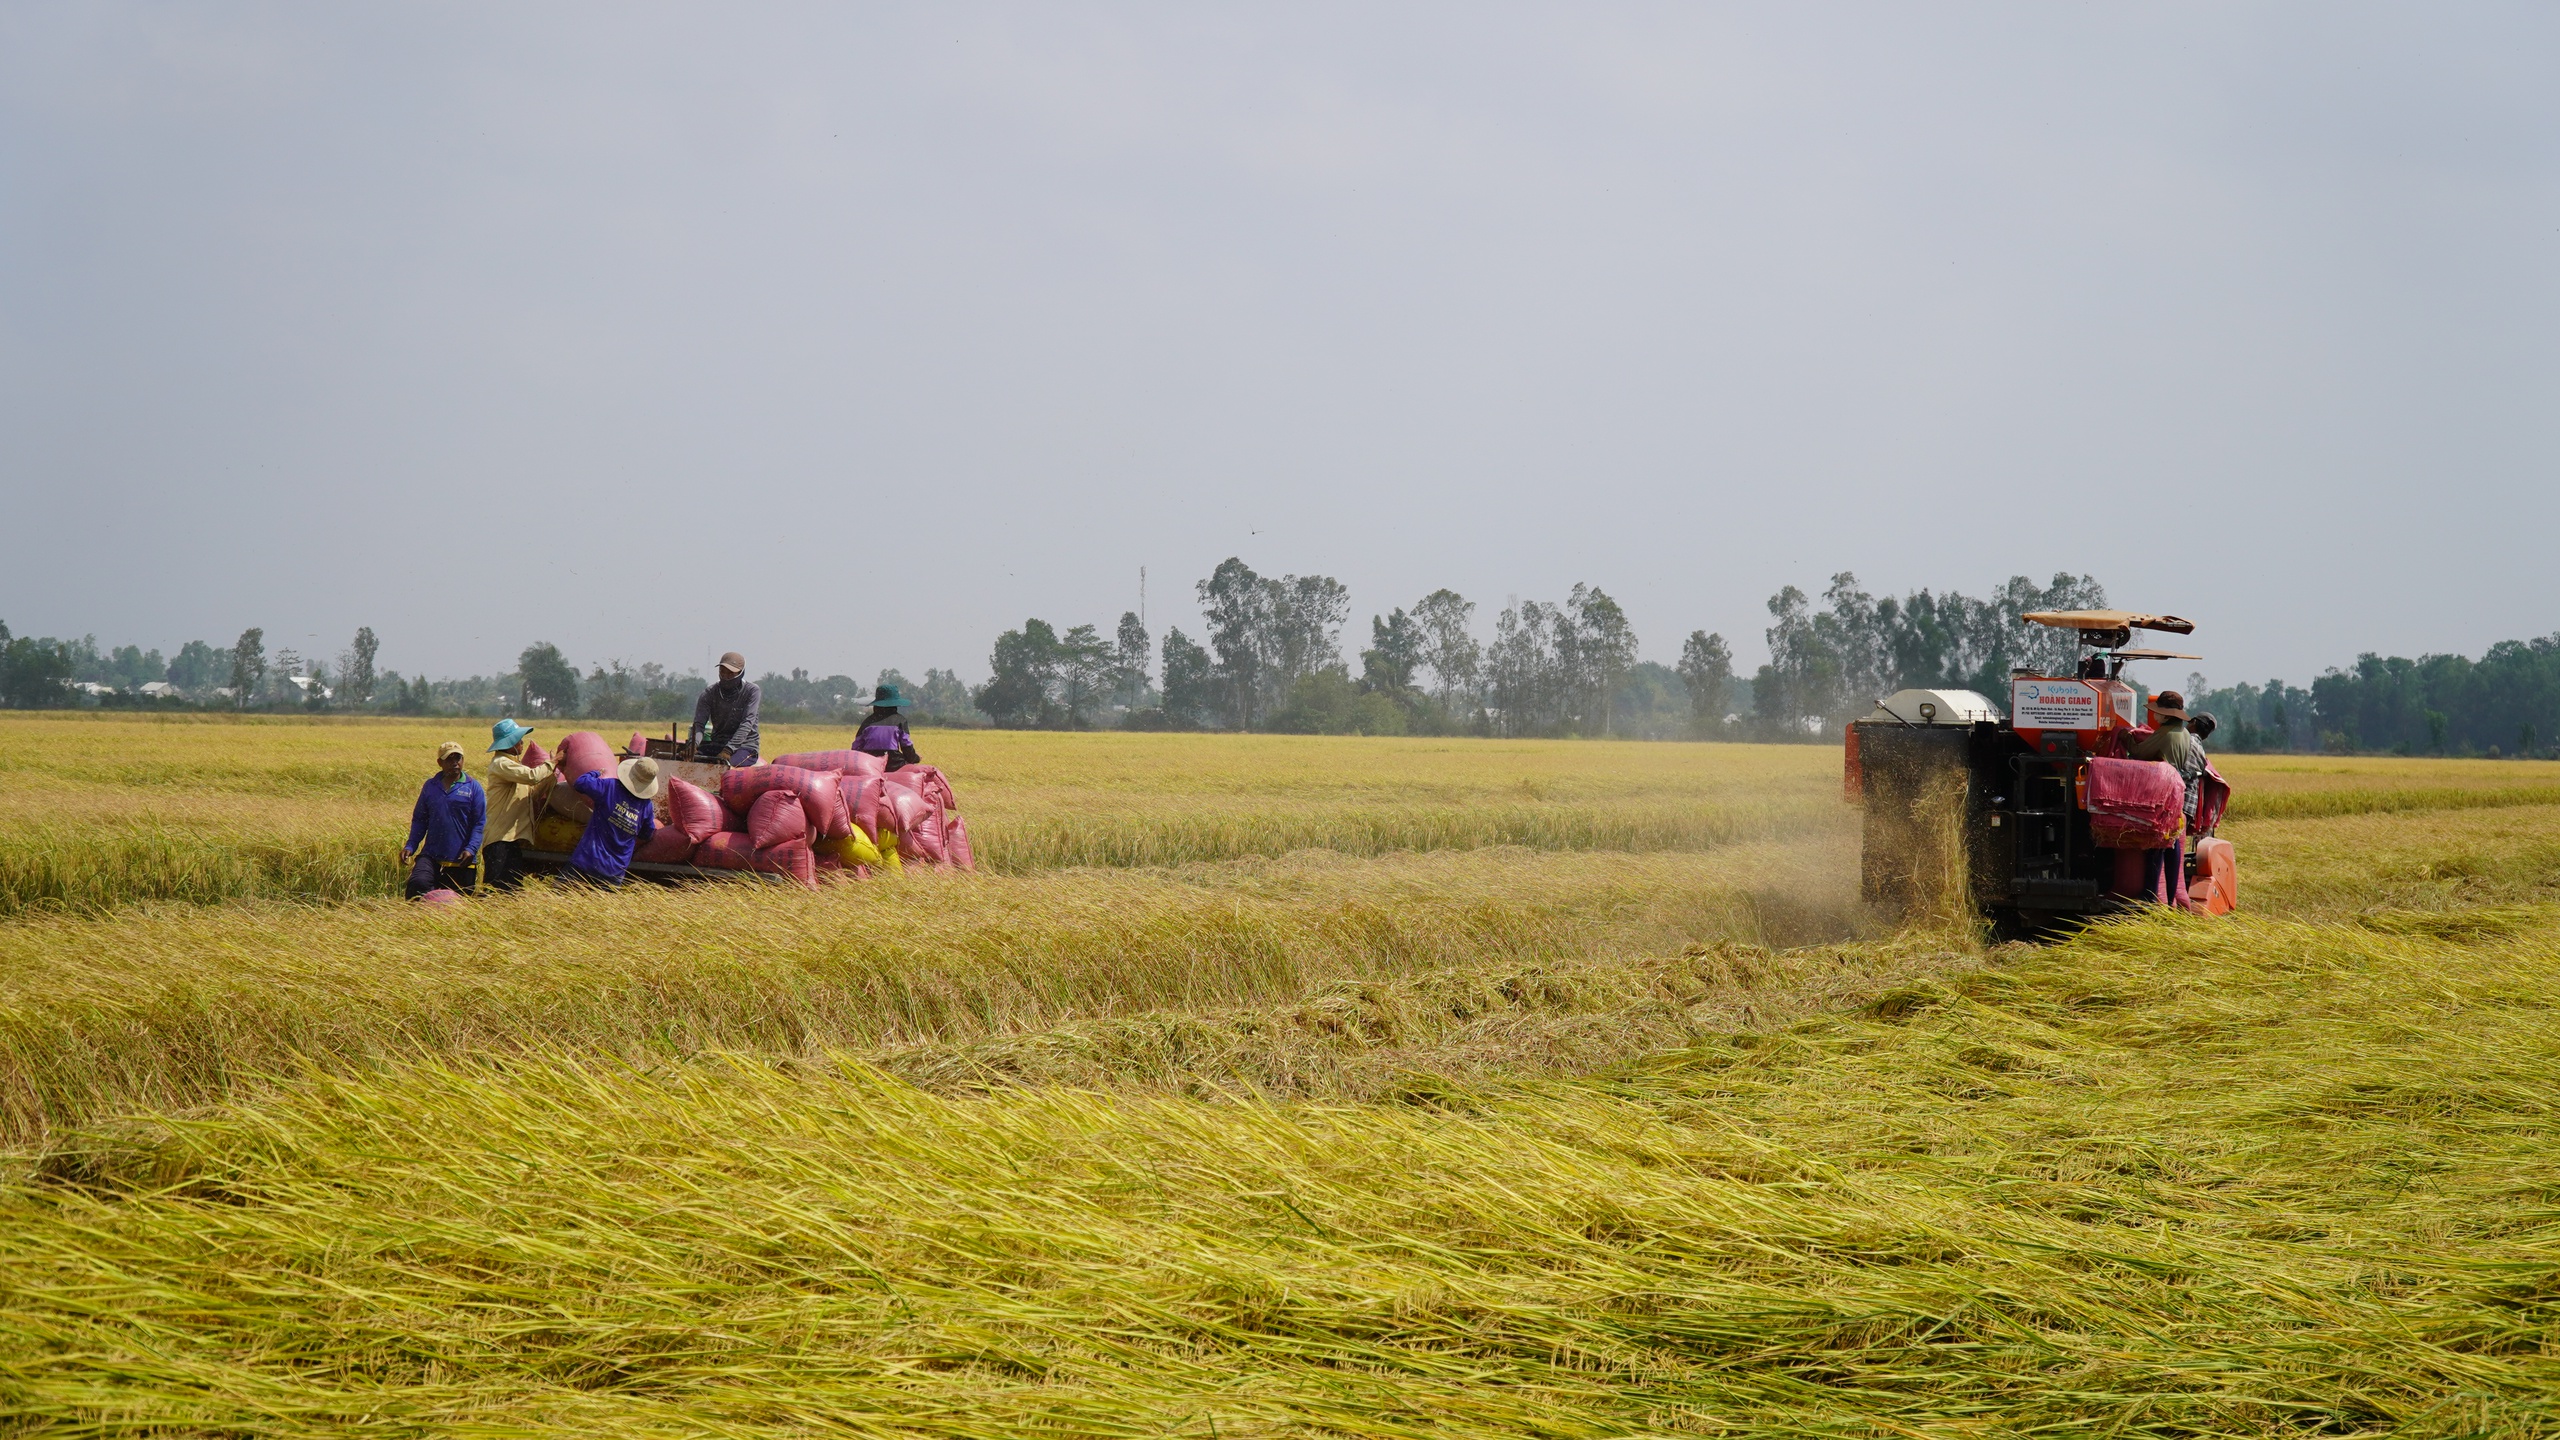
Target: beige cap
x,y
734,663
640,777
447,748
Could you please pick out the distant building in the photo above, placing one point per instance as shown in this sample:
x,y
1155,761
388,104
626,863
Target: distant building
x,y
308,686
160,690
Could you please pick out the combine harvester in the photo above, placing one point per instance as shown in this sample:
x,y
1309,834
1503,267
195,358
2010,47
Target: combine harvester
x,y
804,817
1955,793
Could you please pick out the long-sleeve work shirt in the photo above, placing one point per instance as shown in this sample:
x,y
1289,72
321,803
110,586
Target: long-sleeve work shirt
x,y
448,818
725,719
511,788
2172,745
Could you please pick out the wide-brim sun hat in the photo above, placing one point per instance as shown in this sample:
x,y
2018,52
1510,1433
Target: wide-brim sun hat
x,y
639,775
507,735
2169,705
888,695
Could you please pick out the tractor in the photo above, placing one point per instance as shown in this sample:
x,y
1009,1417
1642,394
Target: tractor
x,y
1966,805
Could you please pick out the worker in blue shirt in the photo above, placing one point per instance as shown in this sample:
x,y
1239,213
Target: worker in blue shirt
x,y
445,827
626,815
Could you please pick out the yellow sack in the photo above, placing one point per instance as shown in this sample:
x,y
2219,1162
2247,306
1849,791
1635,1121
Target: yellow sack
x,y
557,833
889,852
856,849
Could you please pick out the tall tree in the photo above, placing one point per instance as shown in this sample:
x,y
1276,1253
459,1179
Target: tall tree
x,y
1706,667
1237,606
1394,653
1129,662
1085,673
546,681
1025,663
1190,682
1449,648
1525,671
356,677
248,667
1600,649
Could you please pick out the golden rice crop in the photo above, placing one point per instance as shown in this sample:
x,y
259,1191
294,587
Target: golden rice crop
x,y
170,1007
104,812
2172,1178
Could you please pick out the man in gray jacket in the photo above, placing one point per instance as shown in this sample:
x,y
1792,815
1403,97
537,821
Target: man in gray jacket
x,y
724,719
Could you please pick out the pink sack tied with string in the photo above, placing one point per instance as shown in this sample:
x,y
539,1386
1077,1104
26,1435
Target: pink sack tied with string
x,y
667,845
777,818
816,789
861,797
838,762
690,810
2134,804
727,850
918,823
793,858
584,752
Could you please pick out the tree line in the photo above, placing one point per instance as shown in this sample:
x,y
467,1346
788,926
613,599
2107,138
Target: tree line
x,y
1269,655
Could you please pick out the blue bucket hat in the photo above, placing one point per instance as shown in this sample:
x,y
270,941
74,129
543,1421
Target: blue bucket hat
x,y
889,696
506,734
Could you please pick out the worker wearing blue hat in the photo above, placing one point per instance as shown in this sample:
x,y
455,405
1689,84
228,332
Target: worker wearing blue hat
x,y
514,787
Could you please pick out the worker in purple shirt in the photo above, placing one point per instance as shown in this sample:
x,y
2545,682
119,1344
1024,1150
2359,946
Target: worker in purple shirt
x,y
626,815
445,827
884,730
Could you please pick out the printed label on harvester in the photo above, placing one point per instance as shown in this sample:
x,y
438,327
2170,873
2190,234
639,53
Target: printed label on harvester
x,y
2052,705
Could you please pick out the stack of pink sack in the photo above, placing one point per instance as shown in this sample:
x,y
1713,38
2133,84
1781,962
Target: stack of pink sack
x,y
912,808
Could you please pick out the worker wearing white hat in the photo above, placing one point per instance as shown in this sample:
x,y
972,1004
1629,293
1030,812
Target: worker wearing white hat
x,y
625,816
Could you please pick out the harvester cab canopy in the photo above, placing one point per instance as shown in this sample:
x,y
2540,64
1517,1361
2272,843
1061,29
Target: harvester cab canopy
x,y
2107,629
2111,631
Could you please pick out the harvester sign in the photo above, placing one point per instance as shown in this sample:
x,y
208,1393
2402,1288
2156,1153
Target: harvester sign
x,y
2053,705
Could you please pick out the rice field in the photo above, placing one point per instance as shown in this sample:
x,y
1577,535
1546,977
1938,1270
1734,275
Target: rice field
x,y
1270,1086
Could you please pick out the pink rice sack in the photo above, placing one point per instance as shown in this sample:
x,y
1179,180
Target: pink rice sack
x,y
2133,804
918,823
584,752
840,762
816,789
667,845
793,858
691,809
727,850
955,842
776,818
861,797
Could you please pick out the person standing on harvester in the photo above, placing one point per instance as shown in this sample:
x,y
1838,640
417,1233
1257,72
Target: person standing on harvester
x,y
2164,870
884,730
724,719
445,827
626,815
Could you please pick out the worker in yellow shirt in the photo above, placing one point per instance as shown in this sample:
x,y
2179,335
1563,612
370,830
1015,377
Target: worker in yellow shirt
x,y
512,787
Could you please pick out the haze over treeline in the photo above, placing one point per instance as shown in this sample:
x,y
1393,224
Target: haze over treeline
x,y
1278,653
874,330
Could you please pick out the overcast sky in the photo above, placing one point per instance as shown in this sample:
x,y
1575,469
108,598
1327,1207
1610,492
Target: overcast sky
x,y
849,335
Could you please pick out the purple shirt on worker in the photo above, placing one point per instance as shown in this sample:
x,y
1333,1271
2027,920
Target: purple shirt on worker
x,y
621,824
